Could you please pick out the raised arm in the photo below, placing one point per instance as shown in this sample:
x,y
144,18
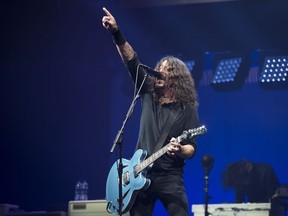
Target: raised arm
x,y
124,48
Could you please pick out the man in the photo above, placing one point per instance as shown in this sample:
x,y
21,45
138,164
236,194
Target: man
x,y
254,183
173,93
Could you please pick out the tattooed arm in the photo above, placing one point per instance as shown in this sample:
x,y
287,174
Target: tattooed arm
x,y
124,48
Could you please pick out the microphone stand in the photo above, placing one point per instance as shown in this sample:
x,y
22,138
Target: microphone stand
x,y
207,163
119,141
207,197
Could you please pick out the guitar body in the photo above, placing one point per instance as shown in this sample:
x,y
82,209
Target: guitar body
x,y
131,183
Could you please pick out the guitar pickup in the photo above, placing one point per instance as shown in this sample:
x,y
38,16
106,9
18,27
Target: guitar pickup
x,y
126,178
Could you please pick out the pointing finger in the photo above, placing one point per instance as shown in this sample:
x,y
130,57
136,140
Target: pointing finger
x,y
107,12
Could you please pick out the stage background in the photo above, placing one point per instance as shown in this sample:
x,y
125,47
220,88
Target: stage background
x,y
64,92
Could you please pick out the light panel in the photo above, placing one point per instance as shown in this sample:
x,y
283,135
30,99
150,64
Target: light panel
x,y
190,64
275,69
226,70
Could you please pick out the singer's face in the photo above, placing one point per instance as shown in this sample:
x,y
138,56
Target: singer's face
x,y
164,70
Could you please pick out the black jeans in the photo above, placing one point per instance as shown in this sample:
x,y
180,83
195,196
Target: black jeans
x,y
169,189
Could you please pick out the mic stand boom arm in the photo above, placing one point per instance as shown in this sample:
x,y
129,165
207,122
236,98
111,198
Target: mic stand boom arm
x,y
118,141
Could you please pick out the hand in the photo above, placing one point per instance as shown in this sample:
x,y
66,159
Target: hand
x,y
174,147
109,21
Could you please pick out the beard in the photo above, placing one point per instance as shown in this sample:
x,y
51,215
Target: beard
x,y
159,87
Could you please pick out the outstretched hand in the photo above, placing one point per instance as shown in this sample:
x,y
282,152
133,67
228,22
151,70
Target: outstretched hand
x,y
109,22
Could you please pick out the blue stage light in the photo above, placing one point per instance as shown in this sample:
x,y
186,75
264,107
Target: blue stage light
x,y
226,70
274,70
190,64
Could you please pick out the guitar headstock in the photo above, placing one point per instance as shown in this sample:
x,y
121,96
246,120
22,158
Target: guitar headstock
x,y
197,131
192,132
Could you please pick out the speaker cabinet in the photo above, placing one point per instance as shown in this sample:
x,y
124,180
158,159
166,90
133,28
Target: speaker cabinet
x,y
239,209
13,210
88,208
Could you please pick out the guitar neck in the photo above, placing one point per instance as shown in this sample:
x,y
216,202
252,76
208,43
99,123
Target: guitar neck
x,y
144,164
186,134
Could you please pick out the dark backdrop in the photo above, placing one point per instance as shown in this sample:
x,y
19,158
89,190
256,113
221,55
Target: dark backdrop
x,y
65,93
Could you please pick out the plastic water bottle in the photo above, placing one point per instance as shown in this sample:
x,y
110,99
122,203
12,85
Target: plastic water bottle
x,y
84,191
78,188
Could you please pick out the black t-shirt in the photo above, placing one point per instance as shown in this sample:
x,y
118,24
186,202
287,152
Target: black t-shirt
x,y
153,119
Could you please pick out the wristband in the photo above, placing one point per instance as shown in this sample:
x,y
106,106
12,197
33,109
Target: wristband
x,y
118,38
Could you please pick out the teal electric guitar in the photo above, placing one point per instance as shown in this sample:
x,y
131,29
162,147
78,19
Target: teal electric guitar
x,y
134,172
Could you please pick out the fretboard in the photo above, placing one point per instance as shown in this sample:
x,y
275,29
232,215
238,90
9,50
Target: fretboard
x,y
144,164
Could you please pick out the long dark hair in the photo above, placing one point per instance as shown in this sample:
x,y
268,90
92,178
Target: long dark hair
x,y
238,174
180,80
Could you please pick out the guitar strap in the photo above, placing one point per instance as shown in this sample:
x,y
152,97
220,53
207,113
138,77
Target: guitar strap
x,y
168,125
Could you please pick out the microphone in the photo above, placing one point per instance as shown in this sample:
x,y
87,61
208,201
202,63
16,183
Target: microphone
x,y
207,163
151,71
